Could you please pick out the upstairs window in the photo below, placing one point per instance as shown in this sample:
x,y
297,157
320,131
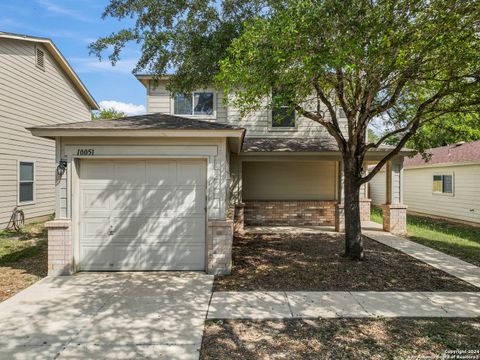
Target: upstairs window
x,y
283,117
443,184
198,104
26,181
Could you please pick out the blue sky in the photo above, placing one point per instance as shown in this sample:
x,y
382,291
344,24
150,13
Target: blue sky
x,y
72,25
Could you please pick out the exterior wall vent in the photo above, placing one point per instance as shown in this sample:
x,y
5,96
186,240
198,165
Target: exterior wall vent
x,y
39,58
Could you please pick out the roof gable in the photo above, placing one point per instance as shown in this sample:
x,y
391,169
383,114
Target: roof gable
x,y
57,55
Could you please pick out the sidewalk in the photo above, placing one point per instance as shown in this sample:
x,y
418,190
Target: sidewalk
x,y
449,264
283,304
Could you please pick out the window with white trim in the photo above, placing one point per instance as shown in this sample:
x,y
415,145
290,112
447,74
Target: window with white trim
x,y
282,116
443,184
26,181
198,103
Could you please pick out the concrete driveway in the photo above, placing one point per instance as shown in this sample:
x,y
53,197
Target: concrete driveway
x,y
107,316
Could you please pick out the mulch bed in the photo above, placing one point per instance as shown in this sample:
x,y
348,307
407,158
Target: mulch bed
x,y
339,338
313,262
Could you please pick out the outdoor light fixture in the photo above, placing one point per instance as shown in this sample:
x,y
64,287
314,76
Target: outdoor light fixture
x,y
61,167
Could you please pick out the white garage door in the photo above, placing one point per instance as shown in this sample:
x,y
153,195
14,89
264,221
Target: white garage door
x,y
142,215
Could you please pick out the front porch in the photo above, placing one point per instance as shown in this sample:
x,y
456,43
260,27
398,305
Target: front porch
x,y
299,183
366,226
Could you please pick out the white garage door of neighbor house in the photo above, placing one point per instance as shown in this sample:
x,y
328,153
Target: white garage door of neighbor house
x,y
142,214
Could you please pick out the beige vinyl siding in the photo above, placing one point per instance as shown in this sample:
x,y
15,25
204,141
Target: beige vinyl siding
x,y
258,124
463,204
378,188
288,180
30,96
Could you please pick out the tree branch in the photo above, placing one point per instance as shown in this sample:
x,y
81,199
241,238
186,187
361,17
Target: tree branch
x,y
414,126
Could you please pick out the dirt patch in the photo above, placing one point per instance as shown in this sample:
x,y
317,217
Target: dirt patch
x,y
313,262
338,338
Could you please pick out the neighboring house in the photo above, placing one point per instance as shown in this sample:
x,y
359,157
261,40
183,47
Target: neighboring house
x,y
37,87
447,186
158,191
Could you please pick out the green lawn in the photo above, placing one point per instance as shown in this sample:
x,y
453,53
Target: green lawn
x,y
462,241
23,258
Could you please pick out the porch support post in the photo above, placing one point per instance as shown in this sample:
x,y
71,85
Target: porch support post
x,y
365,202
237,201
394,211
340,207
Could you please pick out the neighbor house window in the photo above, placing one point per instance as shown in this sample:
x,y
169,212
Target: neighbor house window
x,y
199,103
443,184
26,181
283,117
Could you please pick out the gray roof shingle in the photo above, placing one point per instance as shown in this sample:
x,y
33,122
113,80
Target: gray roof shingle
x,y
327,144
157,121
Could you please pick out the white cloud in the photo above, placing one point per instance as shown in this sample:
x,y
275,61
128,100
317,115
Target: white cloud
x,y
53,7
90,65
127,108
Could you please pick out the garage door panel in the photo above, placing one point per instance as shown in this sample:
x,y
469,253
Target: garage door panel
x,y
143,199
93,199
129,172
190,173
96,257
161,173
97,170
143,228
156,209
190,200
188,229
94,230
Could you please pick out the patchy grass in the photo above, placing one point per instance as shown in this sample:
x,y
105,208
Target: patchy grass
x,y
313,262
23,258
339,338
458,240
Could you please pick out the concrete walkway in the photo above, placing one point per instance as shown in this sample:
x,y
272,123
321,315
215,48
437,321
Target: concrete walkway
x,y
107,315
449,264
285,305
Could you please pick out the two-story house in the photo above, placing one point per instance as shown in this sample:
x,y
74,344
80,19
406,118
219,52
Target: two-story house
x,y
37,87
158,191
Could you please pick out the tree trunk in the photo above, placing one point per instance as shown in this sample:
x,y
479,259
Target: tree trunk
x,y
353,225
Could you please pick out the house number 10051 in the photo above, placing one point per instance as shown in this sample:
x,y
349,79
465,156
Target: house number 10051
x,y
85,152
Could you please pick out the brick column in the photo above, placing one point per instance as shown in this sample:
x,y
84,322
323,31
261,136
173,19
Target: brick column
x,y
365,205
395,218
394,211
219,246
60,259
239,219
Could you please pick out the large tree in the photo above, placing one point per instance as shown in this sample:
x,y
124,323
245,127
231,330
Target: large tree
x,y
407,62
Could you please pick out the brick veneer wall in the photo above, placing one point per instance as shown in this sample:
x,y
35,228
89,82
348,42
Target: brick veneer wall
x,y
289,213
59,247
219,246
395,218
365,205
